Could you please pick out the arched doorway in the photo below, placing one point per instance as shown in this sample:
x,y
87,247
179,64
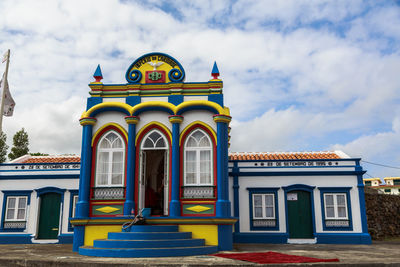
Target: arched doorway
x,y
154,173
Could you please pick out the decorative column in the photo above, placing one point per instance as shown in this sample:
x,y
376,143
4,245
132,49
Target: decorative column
x,y
174,204
82,207
129,204
223,205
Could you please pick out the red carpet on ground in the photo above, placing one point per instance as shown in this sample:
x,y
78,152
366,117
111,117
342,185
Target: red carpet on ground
x,y
271,257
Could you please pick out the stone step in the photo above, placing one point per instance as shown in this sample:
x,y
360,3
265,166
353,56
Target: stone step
x,y
164,243
149,235
152,228
147,252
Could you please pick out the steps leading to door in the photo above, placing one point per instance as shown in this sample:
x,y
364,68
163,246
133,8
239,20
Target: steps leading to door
x,y
148,241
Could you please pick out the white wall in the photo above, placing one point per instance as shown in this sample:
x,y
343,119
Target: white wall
x,y
32,214
282,181
111,116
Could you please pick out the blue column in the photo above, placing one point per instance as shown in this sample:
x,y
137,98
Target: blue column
x,y
365,238
174,204
223,205
82,207
129,204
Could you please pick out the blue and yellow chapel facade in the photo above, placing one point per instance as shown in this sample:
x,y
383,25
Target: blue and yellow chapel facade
x,y
159,144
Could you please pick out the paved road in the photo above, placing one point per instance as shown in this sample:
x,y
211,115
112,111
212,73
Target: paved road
x,y
377,254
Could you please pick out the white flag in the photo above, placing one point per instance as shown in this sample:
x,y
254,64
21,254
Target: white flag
x,y
9,103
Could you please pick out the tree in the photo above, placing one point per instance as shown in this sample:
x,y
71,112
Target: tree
x,y
20,145
3,147
38,154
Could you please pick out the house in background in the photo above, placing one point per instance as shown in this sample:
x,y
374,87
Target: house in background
x,y
372,181
38,195
391,186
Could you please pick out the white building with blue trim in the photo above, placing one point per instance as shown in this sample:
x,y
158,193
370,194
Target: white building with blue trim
x,y
159,144
315,197
38,196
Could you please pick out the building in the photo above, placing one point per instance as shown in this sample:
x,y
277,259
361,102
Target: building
x,y
155,142
160,144
372,181
315,197
391,186
38,196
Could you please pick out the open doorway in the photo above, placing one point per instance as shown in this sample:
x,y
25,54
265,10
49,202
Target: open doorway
x,y
153,175
154,181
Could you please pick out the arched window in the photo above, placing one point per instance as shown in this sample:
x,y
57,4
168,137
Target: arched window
x,y
154,140
198,159
110,160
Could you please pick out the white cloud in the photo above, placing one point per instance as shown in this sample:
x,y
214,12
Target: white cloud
x,y
381,148
297,75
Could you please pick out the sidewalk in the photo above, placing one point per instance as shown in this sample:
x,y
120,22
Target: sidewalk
x,y
377,254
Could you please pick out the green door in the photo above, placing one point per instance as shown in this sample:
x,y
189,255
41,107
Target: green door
x,y
49,216
299,214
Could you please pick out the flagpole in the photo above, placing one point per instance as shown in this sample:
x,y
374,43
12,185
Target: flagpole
x,y
3,92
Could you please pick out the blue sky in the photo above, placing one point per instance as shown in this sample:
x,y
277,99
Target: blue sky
x,y
298,75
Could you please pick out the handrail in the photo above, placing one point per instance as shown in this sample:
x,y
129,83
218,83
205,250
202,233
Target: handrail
x,y
137,218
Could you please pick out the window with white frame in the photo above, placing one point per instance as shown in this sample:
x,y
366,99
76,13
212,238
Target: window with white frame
x,y
263,206
154,140
74,201
16,208
335,206
198,159
110,160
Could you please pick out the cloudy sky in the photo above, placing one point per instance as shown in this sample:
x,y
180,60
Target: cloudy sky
x,y
298,75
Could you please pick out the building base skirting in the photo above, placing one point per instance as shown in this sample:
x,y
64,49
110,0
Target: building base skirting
x,y
339,238
271,238
16,239
320,238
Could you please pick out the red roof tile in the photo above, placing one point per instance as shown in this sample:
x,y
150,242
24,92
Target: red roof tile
x,y
52,159
282,155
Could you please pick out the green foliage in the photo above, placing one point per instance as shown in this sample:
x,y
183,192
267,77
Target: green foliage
x,y
3,147
20,145
38,154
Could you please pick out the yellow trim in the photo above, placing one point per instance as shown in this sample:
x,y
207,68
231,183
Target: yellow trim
x,y
109,124
175,119
391,178
198,208
93,232
193,221
107,105
153,123
207,232
214,105
201,123
371,179
173,108
196,221
87,121
227,111
132,119
107,209
163,104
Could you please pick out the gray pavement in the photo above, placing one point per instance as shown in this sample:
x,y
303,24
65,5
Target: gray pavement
x,y
377,254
